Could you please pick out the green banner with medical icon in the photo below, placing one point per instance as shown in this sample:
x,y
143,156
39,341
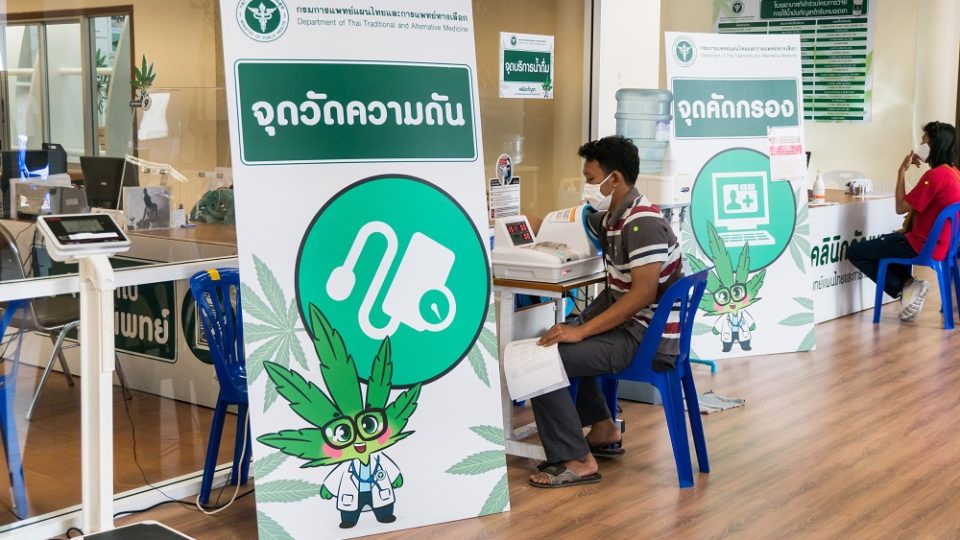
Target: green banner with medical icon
x,y
738,129
369,330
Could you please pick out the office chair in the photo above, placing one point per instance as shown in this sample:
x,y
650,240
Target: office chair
x,y
217,293
8,419
675,385
54,316
945,269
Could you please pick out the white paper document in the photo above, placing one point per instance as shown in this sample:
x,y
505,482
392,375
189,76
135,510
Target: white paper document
x,y
532,370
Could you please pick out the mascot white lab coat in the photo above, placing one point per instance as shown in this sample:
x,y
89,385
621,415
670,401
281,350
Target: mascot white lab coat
x,y
725,324
344,482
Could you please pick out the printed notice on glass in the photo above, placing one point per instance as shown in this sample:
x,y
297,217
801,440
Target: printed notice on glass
x,y
504,197
788,162
836,45
532,370
526,66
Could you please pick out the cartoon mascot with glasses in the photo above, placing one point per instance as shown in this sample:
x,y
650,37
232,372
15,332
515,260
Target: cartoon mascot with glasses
x,y
348,431
729,292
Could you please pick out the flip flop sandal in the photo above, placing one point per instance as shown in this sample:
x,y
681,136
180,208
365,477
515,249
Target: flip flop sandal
x,y
608,450
560,476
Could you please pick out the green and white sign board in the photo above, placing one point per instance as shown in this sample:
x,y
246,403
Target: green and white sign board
x,y
368,324
728,92
526,66
836,48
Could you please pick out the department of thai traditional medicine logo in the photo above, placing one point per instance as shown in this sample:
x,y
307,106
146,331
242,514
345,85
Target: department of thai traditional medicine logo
x,y
684,51
513,40
737,7
262,20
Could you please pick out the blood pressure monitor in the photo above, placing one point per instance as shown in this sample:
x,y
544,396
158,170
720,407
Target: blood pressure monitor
x,y
73,236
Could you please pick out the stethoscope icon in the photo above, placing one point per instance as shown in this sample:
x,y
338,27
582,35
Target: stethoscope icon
x,y
425,264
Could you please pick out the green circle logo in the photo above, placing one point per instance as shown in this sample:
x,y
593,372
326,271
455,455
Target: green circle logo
x,y
193,329
262,20
734,194
684,51
737,7
396,257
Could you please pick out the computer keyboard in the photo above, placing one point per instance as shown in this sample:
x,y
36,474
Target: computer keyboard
x,y
739,238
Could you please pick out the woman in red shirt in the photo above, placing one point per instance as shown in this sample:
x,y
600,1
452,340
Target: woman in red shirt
x,y
936,189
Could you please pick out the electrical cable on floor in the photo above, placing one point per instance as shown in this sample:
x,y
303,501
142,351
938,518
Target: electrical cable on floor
x,y
243,454
162,503
184,504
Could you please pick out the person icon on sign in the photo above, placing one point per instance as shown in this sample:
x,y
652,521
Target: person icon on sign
x,y
733,204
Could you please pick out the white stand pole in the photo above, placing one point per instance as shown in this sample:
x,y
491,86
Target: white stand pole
x,y
97,287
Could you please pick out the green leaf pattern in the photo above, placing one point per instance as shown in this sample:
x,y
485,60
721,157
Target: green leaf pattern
x,y
286,491
486,461
267,464
498,498
268,529
277,330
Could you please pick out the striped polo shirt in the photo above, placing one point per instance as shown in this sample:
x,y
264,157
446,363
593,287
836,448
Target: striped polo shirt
x,y
636,234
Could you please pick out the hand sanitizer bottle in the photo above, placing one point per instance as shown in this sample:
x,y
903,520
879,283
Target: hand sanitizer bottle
x,y
819,189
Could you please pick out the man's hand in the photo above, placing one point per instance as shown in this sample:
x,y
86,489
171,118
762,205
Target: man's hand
x,y
561,333
325,493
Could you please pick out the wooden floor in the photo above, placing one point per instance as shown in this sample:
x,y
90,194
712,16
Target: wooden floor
x,y
860,439
171,441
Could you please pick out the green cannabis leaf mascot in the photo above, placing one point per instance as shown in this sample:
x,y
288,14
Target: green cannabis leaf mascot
x,y
729,292
349,431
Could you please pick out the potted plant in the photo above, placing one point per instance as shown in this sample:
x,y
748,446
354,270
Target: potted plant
x,y
143,78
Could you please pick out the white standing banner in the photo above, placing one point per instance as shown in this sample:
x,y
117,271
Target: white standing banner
x,y
732,97
368,325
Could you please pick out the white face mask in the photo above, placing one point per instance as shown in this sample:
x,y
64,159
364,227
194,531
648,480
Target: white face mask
x,y
595,197
923,151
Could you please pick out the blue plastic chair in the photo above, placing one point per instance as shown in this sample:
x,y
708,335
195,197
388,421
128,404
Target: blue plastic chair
x,y
943,268
8,419
674,385
217,293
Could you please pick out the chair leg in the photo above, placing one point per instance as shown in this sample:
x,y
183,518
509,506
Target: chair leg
x,y
213,449
669,386
44,377
57,346
946,303
696,422
955,275
610,387
11,447
878,301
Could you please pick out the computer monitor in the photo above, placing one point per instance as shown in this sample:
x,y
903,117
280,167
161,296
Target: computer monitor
x,y
741,201
105,177
56,157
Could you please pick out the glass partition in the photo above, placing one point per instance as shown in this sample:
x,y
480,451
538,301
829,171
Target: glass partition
x,y
65,88
24,86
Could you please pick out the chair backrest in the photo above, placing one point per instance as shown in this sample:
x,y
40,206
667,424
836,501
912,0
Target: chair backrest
x,y
217,293
687,292
951,213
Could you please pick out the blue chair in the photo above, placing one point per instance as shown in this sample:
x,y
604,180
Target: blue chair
x,y
674,385
217,293
8,419
944,268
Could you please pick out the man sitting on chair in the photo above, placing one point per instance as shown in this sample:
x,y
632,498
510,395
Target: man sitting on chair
x,y
642,259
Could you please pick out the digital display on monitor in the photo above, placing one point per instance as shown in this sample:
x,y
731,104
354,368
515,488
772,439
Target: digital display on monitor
x,y
84,229
519,233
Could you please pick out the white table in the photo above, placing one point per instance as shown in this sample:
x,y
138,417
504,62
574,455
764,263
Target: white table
x,y
506,290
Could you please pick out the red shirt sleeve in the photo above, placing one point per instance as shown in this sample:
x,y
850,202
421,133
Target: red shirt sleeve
x,y
924,192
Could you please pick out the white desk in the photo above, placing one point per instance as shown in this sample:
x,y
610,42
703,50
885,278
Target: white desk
x,y
506,290
837,287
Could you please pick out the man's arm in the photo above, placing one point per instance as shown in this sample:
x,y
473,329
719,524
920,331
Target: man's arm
x,y
643,292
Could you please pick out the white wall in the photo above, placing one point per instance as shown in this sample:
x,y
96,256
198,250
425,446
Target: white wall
x,y
626,55
875,148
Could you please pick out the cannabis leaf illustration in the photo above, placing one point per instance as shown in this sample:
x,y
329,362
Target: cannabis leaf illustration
x,y
799,245
802,319
278,331
286,491
488,340
267,464
486,461
269,529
